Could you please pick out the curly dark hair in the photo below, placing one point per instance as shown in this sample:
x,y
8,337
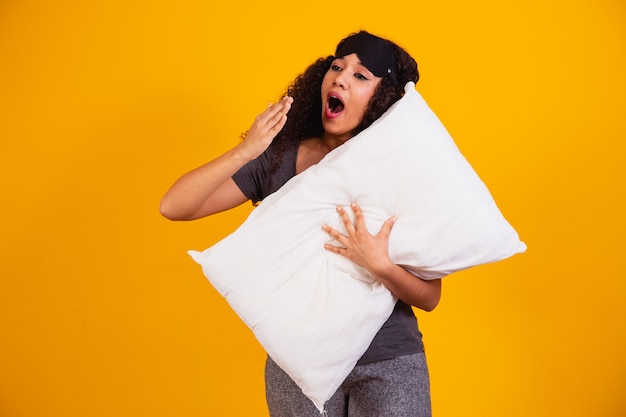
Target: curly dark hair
x,y
305,117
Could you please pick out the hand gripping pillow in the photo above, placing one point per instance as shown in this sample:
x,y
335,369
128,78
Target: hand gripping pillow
x,y
314,312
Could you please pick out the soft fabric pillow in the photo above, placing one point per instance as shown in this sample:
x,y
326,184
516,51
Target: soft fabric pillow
x,y
315,312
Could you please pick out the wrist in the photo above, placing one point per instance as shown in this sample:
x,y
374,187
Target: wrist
x,y
383,270
242,154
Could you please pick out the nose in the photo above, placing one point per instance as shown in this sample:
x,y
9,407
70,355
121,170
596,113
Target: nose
x,y
340,80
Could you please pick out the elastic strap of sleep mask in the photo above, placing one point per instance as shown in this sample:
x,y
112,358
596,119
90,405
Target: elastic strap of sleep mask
x,y
375,53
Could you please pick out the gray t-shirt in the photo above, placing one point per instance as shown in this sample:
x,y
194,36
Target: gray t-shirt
x,y
400,334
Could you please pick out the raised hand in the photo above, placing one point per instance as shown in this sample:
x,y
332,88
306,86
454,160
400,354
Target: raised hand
x,y
265,128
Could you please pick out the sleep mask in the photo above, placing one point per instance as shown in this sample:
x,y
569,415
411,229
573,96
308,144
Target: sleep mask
x,y
375,53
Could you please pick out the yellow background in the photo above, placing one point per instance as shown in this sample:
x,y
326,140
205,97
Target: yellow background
x,y
104,104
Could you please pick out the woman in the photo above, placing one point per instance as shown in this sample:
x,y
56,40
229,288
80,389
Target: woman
x,y
332,101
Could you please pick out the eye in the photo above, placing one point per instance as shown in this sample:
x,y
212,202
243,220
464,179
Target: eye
x,y
361,76
335,67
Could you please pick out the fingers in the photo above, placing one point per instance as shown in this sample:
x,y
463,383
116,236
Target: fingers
x,y
276,112
339,238
266,126
358,244
335,234
359,225
277,115
359,220
334,249
385,229
347,222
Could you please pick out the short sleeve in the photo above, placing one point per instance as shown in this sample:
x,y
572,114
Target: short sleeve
x,y
253,176
262,176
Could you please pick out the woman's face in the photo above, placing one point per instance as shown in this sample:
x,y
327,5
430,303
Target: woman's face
x,y
347,89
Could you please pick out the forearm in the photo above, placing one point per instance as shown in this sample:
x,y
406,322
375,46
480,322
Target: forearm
x,y
191,191
190,196
415,291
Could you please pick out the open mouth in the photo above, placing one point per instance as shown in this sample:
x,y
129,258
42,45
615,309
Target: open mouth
x,y
335,105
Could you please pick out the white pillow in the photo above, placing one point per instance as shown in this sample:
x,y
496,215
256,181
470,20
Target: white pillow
x,y
315,312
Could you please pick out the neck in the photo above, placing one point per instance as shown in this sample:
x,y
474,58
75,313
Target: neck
x,y
330,141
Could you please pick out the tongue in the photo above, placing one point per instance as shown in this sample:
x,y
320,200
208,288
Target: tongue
x,y
337,109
